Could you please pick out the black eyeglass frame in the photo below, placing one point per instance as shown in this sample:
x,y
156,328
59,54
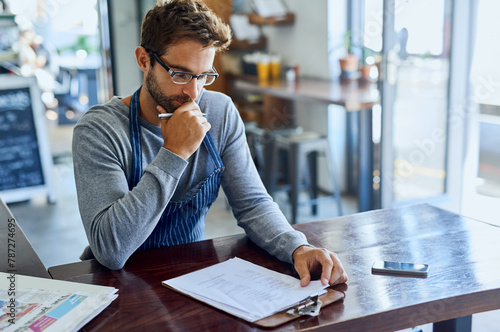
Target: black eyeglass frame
x,y
173,72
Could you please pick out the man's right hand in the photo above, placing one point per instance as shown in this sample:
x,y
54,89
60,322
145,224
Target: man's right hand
x,y
184,131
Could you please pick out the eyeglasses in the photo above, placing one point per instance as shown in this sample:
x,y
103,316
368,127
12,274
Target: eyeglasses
x,y
180,77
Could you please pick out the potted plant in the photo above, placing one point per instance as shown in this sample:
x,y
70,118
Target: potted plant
x,y
368,62
349,63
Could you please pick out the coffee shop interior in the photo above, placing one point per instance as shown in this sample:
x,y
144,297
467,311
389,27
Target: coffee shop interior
x,y
371,103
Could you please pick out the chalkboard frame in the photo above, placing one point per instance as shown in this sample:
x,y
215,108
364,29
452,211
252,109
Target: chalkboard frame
x,y
10,82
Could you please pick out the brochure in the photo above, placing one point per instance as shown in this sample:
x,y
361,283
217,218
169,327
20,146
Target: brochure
x,y
38,304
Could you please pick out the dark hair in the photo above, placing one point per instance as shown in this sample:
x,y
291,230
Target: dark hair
x,y
171,21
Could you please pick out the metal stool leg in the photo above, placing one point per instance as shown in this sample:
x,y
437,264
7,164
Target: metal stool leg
x,y
272,177
294,179
312,159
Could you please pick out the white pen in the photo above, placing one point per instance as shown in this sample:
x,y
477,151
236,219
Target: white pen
x,y
168,115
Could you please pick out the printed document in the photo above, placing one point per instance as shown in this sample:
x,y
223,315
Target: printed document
x,y
38,304
244,289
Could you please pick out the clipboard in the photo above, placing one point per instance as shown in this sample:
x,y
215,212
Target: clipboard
x,y
282,317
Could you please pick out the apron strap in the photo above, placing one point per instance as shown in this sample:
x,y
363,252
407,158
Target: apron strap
x,y
135,140
212,150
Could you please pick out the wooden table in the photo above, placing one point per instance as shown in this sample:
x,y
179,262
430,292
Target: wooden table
x,y
464,277
358,100
15,246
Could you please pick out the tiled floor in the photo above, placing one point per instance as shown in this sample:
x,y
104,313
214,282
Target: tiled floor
x,y
57,234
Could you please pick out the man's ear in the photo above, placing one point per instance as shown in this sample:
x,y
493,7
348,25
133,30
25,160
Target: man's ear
x,y
142,58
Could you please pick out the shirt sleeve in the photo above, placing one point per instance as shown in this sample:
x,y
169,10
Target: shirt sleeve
x,y
118,220
253,207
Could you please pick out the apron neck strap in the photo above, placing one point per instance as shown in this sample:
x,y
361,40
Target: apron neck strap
x,y
135,139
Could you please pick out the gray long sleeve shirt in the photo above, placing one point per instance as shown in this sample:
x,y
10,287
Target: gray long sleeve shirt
x,y
118,220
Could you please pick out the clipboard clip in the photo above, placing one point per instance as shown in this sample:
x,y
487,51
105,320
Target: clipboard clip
x,y
310,306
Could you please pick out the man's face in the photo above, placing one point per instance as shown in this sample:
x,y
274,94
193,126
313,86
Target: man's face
x,y
187,56
166,101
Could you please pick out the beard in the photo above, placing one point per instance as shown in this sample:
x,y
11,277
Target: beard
x,y
167,102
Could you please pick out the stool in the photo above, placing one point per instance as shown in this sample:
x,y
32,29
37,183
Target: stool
x,y
302,149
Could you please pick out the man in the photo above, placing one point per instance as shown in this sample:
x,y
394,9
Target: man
x,y
146,182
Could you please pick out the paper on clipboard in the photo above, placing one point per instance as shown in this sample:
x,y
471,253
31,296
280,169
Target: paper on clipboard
x,y
243,289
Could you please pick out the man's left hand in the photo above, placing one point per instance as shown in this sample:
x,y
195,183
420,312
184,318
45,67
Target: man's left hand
x,y
318,260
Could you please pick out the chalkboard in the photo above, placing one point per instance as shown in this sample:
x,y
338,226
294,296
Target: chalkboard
x,y
25,159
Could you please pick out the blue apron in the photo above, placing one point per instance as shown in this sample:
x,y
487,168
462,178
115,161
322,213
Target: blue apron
x,y
184,221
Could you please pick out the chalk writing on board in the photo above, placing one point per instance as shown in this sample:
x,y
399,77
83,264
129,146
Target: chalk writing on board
x,y
20,164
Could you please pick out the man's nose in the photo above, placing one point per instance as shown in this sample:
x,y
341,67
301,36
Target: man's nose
x,y
191,89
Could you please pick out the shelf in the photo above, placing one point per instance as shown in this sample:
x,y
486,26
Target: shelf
x,y
289,18
245,45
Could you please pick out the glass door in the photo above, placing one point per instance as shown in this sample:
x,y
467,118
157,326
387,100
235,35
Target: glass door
x,y
481,194
424,75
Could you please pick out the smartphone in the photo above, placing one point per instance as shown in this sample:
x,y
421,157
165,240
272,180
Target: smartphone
x,y
401,269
